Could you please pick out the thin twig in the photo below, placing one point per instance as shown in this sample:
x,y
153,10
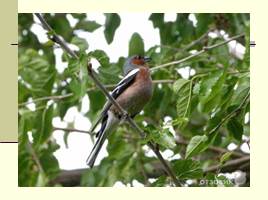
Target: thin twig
x,y
54,97
195,42
213,148
230,163
35,158
72,130
205,49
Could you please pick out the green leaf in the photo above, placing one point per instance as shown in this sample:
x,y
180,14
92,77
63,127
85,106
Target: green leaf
x,y
235,128
196,145
203,22
45,128
101,56
97,100
60,25
136,45
225,157
187,169
75,87
80,42
89,26
79,16
37,73
182,29
41,180
223,181
182,89
162,137
165,138
160,182
213,180
157,19
210,90
112,22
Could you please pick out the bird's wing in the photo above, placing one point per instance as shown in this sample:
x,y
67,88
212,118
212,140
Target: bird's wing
x,y
120,87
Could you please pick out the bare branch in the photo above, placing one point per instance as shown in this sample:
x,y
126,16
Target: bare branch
x,y
228,164
195,42
213,148
72,130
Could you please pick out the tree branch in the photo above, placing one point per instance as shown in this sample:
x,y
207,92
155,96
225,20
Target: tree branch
x,y
72,130
213,148
35,157
208,48
55,37
195,42
229,165
103,89
73,177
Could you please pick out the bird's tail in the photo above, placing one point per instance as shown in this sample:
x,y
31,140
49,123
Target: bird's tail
x,y
107,126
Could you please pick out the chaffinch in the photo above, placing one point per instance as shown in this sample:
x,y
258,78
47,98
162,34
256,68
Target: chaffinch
x,y
132,93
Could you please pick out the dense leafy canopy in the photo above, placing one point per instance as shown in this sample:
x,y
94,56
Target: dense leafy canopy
x,y
195,117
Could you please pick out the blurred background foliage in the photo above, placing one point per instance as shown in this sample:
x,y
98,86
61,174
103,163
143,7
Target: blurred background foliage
x,y
195,117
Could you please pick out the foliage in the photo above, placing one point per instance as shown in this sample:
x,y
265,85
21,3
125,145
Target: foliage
x,y
206,109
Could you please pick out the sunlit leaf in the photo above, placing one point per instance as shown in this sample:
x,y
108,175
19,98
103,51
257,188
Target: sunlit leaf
x,y
182,89
196,145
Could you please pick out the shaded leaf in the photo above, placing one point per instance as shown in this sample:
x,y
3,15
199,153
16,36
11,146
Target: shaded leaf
x,y
46,125
89,26
136,45
187,169
80,42
235,129
101,56
112,22
160,182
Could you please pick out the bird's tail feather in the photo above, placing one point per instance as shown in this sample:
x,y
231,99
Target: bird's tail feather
x,y
111,123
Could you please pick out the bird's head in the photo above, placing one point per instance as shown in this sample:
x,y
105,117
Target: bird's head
x,y
135,62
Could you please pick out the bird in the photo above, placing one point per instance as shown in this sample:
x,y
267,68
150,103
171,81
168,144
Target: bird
x,y
132,93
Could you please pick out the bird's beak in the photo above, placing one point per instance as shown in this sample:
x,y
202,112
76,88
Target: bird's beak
x,y
147,59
